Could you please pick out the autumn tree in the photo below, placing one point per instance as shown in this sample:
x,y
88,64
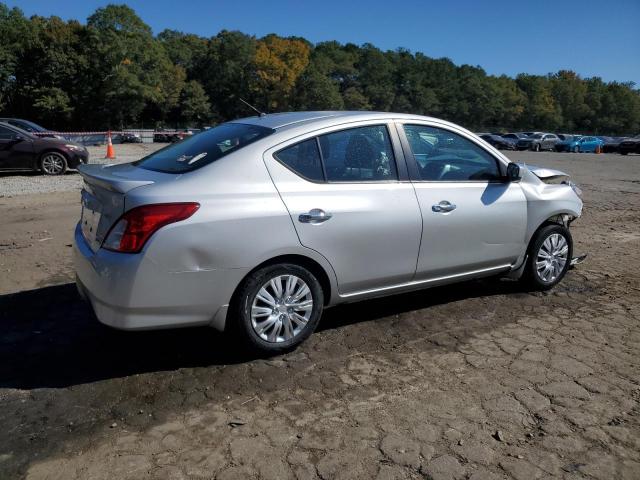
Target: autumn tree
x,y
279,62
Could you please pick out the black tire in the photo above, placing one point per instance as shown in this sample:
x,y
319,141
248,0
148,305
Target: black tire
x,y
576,149
53,163
623,153
241,325
531,276
536,147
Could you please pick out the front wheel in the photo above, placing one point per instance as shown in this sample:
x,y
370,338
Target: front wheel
x,y
576,149
536,147
277,308
53,163
548,257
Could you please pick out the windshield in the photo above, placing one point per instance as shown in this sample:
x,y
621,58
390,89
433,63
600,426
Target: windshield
x,y
204,148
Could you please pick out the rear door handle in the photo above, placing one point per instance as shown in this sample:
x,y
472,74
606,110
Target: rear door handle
x,y
315,216
443,207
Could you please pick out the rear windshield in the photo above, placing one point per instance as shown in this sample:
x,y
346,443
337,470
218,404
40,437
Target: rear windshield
x,y
204,148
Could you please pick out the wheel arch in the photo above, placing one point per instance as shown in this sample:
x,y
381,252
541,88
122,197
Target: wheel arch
x,y
563,218
297,259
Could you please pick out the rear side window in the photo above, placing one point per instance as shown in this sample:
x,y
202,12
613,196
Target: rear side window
x,y
442,155
361,154
204,148
304,159
6,134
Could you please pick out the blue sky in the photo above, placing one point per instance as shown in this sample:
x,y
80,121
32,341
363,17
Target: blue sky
x,y
593,38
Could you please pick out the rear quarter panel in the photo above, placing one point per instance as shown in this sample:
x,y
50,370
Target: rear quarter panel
x,y
241,223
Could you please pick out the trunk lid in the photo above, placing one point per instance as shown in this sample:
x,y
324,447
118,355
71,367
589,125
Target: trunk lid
x,y
103,196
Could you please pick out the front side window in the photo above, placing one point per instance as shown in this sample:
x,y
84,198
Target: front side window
x,y
442,155
362,154
203,148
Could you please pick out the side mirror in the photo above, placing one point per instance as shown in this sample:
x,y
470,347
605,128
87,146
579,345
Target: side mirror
x,y
513,172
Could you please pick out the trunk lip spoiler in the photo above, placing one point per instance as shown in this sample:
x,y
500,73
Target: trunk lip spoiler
x,y
92,174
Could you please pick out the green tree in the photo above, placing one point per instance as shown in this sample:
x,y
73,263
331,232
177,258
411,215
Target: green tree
x,y
129,68
194,105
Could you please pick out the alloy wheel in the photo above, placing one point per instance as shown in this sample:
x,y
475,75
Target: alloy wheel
x,y
281,309
552,257
53,164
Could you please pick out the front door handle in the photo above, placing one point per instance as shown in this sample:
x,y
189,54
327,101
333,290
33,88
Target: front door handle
x,y
315,216
443,207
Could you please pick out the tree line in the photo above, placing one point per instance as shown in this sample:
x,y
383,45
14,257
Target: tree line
x,y
113,72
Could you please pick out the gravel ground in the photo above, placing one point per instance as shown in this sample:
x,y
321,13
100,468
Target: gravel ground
x,y
476,381
31,182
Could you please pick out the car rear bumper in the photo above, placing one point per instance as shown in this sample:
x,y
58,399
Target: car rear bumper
x,y
131,292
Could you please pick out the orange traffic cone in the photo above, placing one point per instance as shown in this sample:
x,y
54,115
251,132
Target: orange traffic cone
x,y
111,154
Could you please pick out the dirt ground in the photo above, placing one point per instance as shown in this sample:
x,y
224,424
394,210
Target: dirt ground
x,y
475,381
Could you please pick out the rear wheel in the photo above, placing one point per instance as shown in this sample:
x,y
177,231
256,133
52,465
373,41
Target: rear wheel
x,y
576,149
53,163
548,257
277,308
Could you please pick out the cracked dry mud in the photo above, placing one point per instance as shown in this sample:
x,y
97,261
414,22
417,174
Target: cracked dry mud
x,y
473,381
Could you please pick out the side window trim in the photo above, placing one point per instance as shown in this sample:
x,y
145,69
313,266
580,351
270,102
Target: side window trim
x,y
412,164
324,168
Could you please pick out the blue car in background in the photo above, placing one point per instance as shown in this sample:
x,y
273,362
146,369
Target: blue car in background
x,y
580,144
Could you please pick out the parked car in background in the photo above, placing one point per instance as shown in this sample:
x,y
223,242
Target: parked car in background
x,y
580,144
538,142
257,225
172,136
128,137
21,150
30,127
566,136
630,145
515,136
611,144
499,142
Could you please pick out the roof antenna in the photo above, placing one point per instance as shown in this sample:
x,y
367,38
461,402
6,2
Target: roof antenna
x,y
262,114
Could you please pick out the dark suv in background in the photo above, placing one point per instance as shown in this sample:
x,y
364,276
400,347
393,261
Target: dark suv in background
x,y
629,145
538,141
20,150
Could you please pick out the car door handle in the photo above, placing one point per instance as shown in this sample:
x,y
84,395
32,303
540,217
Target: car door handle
x,y
315,215
443,207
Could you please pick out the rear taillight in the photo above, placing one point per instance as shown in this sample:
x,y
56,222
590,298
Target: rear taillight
x,y
133,229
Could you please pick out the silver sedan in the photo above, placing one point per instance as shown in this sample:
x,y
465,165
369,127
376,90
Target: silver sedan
x,y
257,225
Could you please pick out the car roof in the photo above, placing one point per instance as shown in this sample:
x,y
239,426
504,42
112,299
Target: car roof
x,y
280,121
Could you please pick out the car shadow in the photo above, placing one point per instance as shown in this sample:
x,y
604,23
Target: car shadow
x,y
50,338
33,173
